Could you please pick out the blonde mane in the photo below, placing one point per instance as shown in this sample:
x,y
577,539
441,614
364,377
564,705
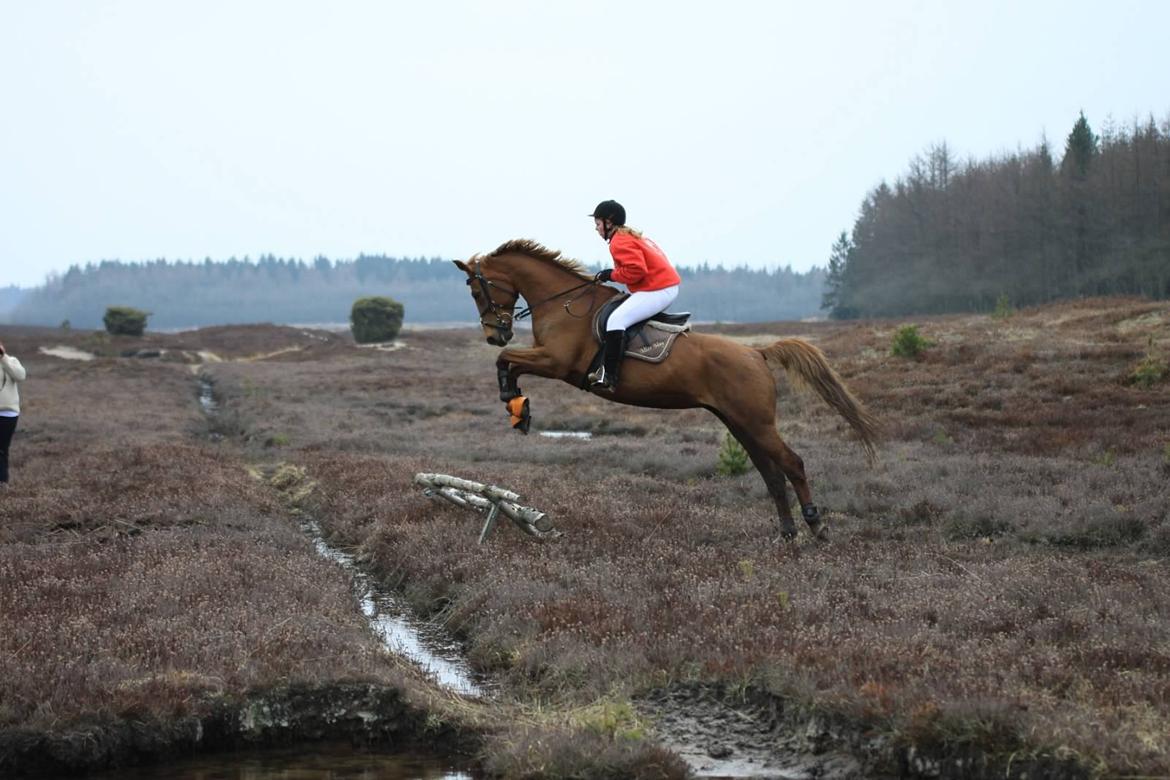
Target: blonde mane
x,y
538,251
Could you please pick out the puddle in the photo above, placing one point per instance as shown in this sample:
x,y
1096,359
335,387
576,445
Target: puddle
x,y
327,761
423,642
567,434
385,346
67,353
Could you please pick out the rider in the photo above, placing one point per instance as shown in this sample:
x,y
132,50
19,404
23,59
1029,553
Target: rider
x,y
643,268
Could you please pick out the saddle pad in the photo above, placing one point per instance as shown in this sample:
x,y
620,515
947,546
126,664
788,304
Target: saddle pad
x,y
652,342
649,340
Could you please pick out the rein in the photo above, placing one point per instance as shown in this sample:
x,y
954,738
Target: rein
x,y
497,309
527,310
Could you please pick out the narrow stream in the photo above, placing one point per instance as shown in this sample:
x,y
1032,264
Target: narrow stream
x,y
207,396
402,632
425,643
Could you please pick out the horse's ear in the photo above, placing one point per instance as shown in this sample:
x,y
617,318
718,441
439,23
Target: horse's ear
x,y
462,266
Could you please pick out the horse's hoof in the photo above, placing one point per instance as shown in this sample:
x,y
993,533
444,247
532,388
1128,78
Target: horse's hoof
x,y
521,416
820,532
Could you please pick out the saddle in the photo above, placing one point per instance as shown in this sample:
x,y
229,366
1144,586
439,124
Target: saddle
x,y
649,340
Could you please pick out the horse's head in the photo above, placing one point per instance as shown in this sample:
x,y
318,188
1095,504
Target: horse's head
x,y
494,298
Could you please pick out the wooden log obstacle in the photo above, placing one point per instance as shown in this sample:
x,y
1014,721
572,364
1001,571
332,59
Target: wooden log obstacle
x,y
489,500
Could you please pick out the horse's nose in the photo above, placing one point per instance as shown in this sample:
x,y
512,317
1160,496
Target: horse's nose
x,y
496,341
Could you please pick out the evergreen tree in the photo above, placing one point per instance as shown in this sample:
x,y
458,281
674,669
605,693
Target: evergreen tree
x,y
1079,150
950,237
835,276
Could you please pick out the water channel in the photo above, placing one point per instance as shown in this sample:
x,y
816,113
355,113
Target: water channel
x,y
323,761
401,631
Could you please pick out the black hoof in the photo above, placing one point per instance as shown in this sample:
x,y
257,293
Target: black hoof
x,y
787,530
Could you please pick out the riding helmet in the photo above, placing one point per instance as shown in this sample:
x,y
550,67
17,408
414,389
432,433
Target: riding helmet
x,y
611,210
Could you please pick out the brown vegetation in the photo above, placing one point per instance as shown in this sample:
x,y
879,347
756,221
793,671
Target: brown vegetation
x,y
997,582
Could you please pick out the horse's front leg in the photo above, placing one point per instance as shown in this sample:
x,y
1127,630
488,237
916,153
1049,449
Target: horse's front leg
x,y
509,366
509,388
513,362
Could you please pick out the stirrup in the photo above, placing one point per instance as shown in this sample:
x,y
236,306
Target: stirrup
x,y
600,378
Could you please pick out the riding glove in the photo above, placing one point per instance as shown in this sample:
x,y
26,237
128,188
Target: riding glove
x,y
603,276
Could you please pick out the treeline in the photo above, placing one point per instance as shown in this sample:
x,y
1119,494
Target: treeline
x,y
1021,228
184,294
9,297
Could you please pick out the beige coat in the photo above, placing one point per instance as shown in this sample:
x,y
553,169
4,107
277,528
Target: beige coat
x,y
11,374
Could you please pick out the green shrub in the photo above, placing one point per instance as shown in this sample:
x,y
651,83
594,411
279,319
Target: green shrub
x,y
375,319
1003,307
908,343
1149,372
125,321
733,458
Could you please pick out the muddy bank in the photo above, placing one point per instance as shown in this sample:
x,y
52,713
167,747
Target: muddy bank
x,y
359,713
753,734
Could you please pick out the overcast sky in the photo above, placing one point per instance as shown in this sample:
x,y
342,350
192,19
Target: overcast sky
x,y
733,132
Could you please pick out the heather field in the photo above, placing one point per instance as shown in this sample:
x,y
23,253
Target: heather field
x,y
995,597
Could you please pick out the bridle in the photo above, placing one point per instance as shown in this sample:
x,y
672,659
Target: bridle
x,y
500,311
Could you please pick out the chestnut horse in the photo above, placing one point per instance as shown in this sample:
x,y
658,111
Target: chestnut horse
x,y
733,381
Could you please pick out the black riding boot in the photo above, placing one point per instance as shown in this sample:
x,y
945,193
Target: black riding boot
x,y
606,377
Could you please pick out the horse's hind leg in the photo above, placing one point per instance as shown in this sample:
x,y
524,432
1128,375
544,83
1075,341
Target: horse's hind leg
x,y
771,473
793,467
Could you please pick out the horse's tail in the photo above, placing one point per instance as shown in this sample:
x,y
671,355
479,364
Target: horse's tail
x,y
807,364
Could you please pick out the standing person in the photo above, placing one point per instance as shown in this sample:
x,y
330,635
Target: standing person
x,y
11,374
641,266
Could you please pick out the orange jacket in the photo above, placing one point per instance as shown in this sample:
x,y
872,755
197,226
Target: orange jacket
x,y
639,264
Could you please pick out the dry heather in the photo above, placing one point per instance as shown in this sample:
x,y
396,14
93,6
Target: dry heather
x,y
996,581
144,574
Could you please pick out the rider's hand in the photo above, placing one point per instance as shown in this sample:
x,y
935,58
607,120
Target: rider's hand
x,y
603,276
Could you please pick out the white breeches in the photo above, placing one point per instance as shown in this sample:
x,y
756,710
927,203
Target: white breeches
x,y
641,306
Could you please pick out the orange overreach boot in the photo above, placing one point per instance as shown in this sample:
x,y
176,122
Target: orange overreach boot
x,y
521,418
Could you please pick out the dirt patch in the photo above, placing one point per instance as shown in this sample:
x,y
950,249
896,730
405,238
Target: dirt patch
x,y
67,353
751,734
718,739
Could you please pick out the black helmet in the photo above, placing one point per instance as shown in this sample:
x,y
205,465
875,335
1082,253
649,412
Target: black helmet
x,y
611,210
